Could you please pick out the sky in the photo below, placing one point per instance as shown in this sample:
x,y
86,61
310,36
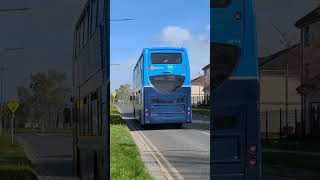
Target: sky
x,y
168,23
46,33
177,23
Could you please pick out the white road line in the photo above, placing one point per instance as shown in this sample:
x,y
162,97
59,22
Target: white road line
x,y
162,168
171,167
205,133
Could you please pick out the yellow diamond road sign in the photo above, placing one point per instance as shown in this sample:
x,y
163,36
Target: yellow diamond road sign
x,y
13,105
114,95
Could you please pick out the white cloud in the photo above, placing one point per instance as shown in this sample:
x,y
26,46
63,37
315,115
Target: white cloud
x,y
197,44
175,35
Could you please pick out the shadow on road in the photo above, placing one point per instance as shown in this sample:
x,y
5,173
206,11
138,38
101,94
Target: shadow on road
x,y
199,125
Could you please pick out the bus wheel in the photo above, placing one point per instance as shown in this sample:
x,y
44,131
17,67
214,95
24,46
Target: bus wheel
x,y
179,125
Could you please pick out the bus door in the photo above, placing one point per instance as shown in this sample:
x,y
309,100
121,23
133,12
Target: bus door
x,y
228,140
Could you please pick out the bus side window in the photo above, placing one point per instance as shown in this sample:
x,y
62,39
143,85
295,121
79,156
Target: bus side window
x,y
86,27
94,14
100,10
220,3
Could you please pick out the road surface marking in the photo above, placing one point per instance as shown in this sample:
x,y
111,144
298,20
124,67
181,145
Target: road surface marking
x,y
205,133
162,168
171,167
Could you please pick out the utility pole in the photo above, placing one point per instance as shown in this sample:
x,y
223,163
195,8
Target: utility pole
x,y
123,19
2,69
2,104
15,9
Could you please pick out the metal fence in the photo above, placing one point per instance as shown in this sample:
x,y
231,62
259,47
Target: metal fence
x,y
200,100
278,124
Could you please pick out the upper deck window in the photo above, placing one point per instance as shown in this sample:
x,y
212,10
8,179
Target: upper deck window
x,y
166,58
220,3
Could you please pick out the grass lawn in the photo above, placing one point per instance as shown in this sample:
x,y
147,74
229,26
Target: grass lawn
x,y
291,160
125,158
296,161
203,112
305,146
38,130
14,165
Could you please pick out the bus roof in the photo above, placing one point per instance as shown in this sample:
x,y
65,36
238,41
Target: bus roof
x,y
165,48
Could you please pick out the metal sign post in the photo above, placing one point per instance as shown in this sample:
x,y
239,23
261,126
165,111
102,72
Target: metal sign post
x,y
12,118
13,106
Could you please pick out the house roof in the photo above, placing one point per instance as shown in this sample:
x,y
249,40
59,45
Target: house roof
x,y
201,81
311,87
206,67
311,17
292,58
280,60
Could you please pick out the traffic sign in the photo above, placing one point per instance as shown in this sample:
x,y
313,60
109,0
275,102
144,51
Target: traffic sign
x,y
13,105
114,95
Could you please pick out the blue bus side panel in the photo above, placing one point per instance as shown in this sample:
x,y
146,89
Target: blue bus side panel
x,y
235,122
235,127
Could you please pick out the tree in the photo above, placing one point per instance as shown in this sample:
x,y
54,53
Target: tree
x,y
123,93
43,101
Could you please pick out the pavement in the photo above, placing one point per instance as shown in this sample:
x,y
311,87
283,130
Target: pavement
x,y
172,153
50,154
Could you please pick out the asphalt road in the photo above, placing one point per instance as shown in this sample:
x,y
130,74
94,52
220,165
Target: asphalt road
x,y
187,149
51,154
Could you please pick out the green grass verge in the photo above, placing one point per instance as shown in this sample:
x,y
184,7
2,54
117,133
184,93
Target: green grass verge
x,y
288,160
38,130
14,164
125,158
203,112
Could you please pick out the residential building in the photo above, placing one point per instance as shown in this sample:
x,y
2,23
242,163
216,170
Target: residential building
x,y
309,26
206,88
280,103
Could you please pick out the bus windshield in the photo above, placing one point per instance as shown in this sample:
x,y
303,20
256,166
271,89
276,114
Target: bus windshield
x,y
166,58
167,83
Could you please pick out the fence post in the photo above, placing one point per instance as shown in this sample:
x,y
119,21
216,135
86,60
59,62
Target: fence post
x,y
266,124
280,123
295,123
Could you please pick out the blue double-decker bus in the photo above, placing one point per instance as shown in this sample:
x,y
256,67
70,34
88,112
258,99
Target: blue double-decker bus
x,y
91,92
162,87
235,138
